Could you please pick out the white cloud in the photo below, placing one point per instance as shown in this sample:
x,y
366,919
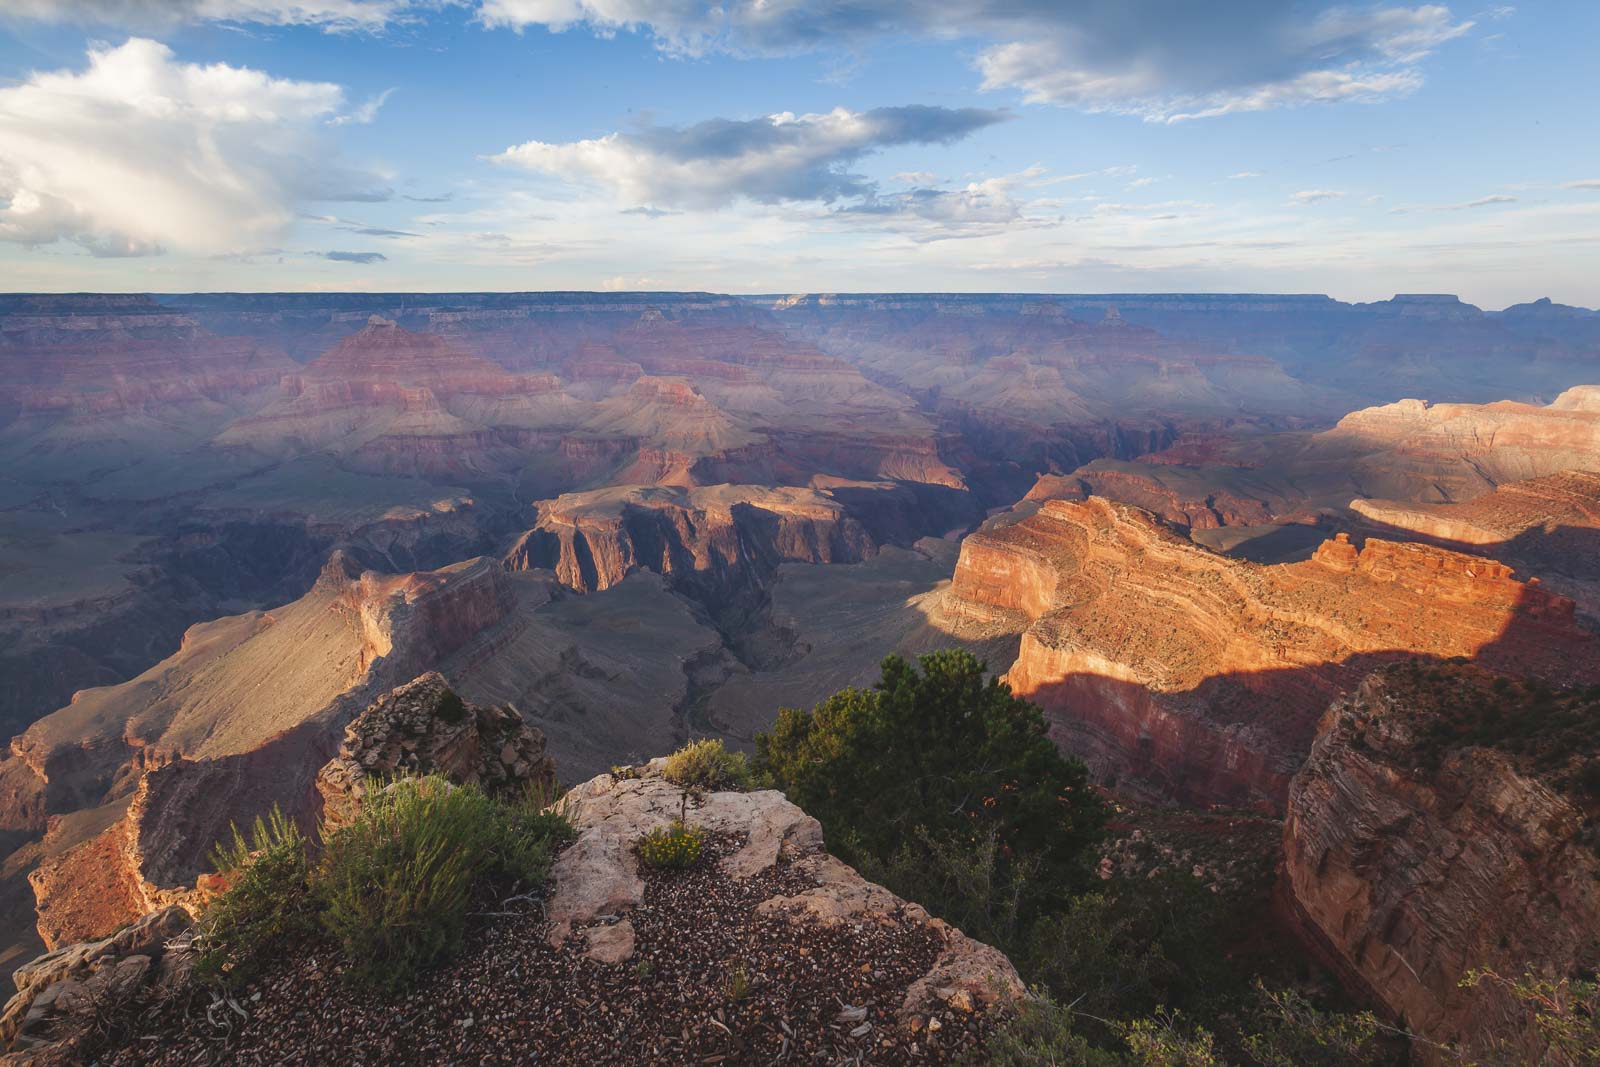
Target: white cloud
x,y
783,157
333,15
1584,183
139,152
363,115
1311,196
1245,174
1153,58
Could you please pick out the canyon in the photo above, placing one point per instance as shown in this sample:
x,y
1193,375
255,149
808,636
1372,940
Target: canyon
x,y
1186,526
1160,661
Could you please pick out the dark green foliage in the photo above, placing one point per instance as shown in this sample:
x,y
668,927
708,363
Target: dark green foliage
x,y
266,904
939,764
451,707
1041,1033
708,765
1549,731
1135,945
1288,1031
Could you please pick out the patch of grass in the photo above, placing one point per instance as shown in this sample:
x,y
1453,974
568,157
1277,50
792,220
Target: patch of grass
x,y
707,764
391,889
673,847
267,902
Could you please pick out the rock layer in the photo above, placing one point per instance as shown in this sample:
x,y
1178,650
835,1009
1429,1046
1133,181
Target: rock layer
x,y
1409,867
1204,675
719,538
597,881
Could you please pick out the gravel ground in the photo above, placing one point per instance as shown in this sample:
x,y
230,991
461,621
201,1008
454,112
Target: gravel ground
x,y
710,982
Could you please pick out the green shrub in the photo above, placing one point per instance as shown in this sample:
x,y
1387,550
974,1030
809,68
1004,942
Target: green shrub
x,y
267,901
708,765
675,846
1040,1033
452,709
940,760
396,883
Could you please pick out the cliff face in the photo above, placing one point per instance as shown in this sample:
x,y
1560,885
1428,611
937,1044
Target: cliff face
x,y
1412,855
718,538
237,720
1547,526
1203,676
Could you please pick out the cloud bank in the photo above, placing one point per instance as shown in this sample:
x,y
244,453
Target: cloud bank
x,y
139,153
780,158
1162,60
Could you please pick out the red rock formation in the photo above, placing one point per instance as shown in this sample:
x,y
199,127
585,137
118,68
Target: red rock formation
x,y
721,537
1412,856
1549,527
1205,675
237,720
133,360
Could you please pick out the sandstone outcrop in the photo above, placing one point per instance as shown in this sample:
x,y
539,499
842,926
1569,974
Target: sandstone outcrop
x,y
422,728
60,995
237,720
596,882
1204,676
716,539
1547,526
1419,846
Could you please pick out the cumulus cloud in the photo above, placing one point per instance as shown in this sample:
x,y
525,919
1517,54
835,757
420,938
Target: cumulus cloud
x,y
1154,58
356,257
334,15
139,152
783,157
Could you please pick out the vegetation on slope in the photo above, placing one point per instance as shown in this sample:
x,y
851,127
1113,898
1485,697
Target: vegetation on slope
x,y
944,786
390,890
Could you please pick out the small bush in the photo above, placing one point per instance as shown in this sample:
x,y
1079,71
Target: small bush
x,y
395,884
267,901
392,888
452,709
676,846
1040,1033
708,765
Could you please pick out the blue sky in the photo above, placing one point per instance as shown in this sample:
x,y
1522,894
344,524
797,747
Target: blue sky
x,y
779,146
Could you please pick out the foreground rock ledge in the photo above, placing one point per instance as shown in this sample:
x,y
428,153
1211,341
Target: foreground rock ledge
x,y
596,892
597,881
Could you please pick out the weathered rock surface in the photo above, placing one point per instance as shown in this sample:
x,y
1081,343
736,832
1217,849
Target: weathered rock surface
x,y
1548,526
1410,867
422,728
1204,675
238,720
718,538
597,881
61,993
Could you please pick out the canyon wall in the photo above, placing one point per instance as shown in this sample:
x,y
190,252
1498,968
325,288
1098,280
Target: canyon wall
x,y
715,540
1201,677
1419,847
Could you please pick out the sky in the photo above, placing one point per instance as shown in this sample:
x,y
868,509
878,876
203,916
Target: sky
x,y
777,146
